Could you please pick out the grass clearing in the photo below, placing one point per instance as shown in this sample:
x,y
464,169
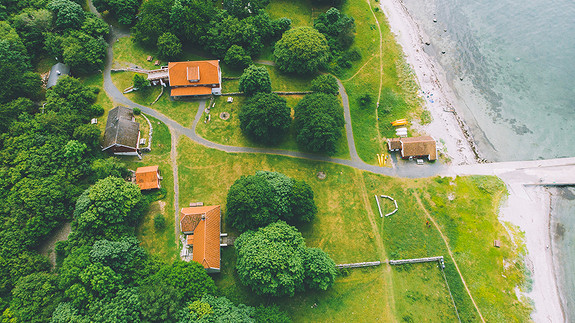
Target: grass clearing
x,y
158,242
342,228
128,53
228,132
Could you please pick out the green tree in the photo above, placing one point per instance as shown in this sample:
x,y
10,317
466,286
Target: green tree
x,y
122,307
159,222
140,82
218,309
318,122
320,269
83,53
124,10
31,26
302,204
111,166
190,19
169,46
249,203
188,278
255,79
338,28
95,26
301,50
68,14
160,303
270,314
108,209
237,57
325,84
122,256
35,297
154,20
88,134
270,260
265,118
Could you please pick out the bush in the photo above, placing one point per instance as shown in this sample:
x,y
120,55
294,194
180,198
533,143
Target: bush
x,y
137,111
301,50
255,79
169,46
325,84
159,222
140,82
265,118
365,100
237,57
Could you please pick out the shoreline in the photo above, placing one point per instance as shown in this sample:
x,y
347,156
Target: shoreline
x,y
526,207
447,127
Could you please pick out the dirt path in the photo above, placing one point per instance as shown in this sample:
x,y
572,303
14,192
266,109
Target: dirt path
x,y
174,159
372,217
450,254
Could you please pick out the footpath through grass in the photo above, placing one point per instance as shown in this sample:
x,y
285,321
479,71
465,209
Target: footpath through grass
x,y
466,209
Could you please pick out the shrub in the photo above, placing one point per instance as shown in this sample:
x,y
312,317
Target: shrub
x,y
265,118
365,100
159,222
137,111
326,84
255,79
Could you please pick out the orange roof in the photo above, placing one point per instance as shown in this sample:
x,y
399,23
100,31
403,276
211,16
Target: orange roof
x,y
194,72
206,234
147,177
190,239
191,90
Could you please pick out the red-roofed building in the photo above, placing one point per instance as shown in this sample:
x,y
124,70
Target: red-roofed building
x,y
191,78
202,227
148,178
414,147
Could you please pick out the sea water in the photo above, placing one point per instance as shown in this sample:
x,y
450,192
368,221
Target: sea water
x,y
512,65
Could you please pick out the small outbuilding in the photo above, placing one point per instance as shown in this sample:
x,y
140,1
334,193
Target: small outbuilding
x,y
148,178
122,135
201,226
56,72
414,147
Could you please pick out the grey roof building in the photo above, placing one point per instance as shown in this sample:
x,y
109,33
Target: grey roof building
x,y
57,71
122,134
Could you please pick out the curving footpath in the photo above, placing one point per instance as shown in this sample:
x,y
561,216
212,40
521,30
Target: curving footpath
x,y
118,97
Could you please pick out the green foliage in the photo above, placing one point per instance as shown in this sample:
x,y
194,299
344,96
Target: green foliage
x,y
67,14
335,3
140,83
189,278
199,309
269,260
237,57
137,111
265,118
124,10
249,203
154,20
318,122
35,297
301,50
244,8
95,26
217,309
160,303
365,101
10,111
111,166
159,222
270,314
189,19
320,269
275,261
326,84
88,134
118,255
255,79
258,200
169,46
71,96
123,307
108,209
83,53
337,27
31,26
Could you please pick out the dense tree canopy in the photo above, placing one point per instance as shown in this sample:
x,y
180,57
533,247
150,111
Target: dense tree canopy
x,y
237,57
67,14
124,10
169,46
275,261
258,200
244,8
338,28
255,79
301,50
154,20
265,118
318,122
35,297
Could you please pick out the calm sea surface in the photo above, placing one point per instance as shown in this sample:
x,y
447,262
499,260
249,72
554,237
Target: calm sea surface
x,y
512,65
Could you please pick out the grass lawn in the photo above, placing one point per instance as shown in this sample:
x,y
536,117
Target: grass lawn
x,y
182,111
158,242
228,131
128,53
102,99
349,228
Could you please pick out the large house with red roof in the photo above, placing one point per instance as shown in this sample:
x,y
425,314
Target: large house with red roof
x,y
189,79
201,226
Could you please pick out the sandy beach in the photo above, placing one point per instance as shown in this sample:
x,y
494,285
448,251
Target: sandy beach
x,y
447,127
527,207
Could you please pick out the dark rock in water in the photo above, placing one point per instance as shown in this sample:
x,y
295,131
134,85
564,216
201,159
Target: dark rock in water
x,y
461,78
427,43
442,52
434,20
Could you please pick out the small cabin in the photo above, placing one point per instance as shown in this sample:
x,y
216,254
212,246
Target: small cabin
x,y
148,178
